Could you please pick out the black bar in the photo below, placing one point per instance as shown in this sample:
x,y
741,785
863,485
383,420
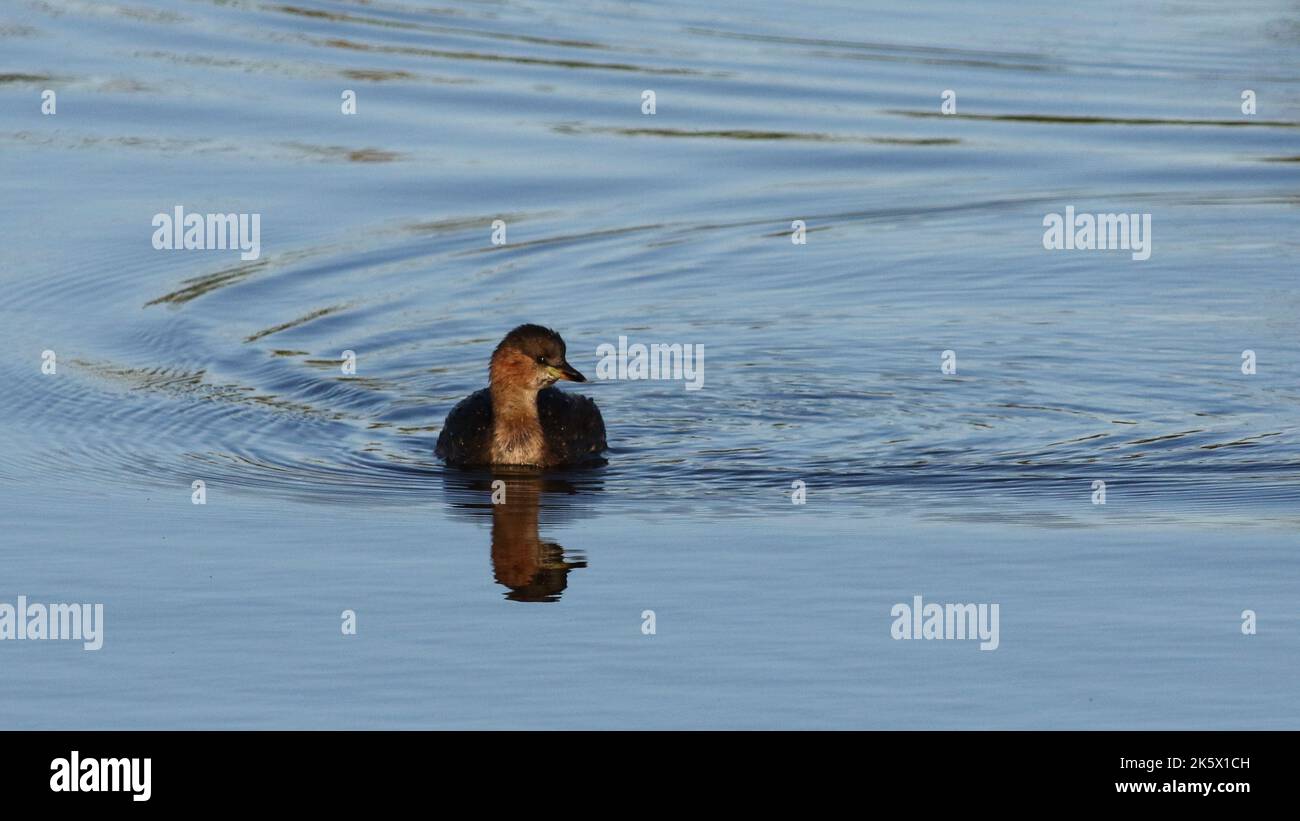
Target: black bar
x,y
331,769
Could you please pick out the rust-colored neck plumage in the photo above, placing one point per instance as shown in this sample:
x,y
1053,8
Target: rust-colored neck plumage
x,y
516,430
513,379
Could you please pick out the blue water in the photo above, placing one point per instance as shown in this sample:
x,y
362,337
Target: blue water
x,y
822,363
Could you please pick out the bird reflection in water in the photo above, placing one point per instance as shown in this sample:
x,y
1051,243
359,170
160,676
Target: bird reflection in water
x,y
534,569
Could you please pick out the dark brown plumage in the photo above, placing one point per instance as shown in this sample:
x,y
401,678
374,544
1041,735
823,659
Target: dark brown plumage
x,y
519,419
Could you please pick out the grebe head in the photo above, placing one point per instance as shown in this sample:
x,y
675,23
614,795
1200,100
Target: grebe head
x,y
531,358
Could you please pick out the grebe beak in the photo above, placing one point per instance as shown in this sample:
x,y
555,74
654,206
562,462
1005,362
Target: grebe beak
x,y
565,371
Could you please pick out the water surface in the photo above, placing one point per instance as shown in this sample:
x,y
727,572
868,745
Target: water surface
x,y
822,363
